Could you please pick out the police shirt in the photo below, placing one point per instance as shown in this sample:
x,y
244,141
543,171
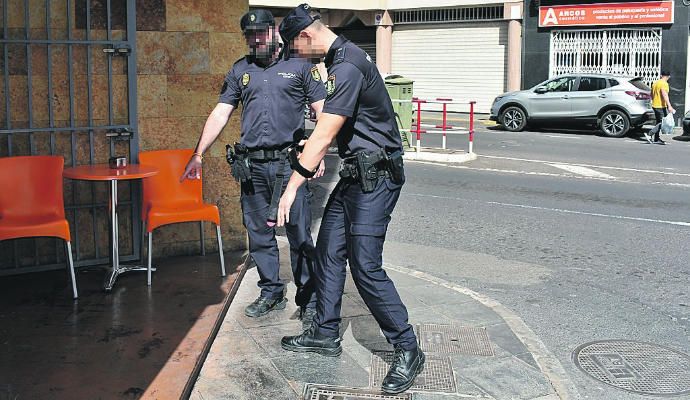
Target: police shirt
x,y
273,99
356,90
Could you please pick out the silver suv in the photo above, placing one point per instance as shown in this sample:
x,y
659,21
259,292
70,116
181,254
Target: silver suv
x,y
615,104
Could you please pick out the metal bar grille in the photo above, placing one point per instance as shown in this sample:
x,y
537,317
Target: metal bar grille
x,y
632,52
67,106
458,14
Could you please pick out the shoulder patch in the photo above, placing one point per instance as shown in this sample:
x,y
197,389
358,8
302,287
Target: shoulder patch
x,y
330,85
339,56
245,79
315,74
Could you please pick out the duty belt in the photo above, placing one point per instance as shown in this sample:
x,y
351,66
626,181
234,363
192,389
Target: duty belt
x,y
267,154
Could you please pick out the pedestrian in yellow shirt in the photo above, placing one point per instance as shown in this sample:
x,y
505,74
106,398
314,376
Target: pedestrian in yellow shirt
x,y
660,102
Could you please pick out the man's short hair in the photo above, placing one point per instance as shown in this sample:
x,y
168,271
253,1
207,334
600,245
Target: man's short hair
x,y
665,72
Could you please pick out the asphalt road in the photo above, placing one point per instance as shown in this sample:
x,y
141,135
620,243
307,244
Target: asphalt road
x,y
585,238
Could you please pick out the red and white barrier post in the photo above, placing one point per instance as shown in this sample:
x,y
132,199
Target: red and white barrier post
x,y
471,140
444,126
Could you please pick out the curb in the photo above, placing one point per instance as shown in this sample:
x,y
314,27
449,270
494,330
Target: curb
x,y
444,157
548,363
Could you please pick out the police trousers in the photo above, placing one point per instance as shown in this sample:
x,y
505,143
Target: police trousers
x,y
263,247
353,230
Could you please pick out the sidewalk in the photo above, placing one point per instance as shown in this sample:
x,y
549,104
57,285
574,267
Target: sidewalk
x,y
471,351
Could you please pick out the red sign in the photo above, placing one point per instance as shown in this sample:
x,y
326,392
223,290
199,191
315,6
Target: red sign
x,y
641,13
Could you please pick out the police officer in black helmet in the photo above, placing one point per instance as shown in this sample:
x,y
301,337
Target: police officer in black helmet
x,y
358,113
273,93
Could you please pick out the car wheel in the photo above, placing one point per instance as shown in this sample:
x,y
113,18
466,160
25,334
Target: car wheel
x,y
614,123
514,119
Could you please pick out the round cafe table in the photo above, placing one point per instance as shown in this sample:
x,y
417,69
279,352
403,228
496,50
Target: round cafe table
x,y
102,172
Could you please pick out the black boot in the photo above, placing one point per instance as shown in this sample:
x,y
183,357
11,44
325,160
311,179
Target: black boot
x,y
406,365
311,342
306,315
263,305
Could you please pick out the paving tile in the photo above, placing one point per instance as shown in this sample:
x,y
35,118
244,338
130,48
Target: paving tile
x,y
470,314
503,336
315,368
508,378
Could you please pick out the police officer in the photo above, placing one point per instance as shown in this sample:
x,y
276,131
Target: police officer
x,y
358,113
273,92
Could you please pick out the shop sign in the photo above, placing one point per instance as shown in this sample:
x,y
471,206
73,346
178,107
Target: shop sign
x,y
638,13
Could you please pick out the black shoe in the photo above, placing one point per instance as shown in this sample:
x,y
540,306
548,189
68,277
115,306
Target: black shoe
x,y
659,141
306,315
263,305
310,342
406,365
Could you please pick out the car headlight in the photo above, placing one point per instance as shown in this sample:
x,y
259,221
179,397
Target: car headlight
x,y
498,98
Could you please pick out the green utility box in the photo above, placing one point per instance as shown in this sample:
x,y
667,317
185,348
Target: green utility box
x,y
400,92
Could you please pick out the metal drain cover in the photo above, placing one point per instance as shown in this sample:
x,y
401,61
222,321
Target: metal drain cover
x,y
325,392
435,338
437,375
636,367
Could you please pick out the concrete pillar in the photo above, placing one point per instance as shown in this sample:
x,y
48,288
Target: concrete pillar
x,y
514,55
384,43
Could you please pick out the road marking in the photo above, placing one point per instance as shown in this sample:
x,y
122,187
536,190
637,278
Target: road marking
x,y
658,221
563,137
559,210
576,169
650,171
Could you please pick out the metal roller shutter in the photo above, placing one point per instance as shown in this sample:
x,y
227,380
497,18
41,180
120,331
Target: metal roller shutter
x,y
465,62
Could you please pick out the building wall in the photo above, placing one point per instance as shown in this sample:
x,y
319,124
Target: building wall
x,y
180,72
536,43
184,49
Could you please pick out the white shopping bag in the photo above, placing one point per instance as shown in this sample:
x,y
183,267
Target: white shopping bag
x,y
667,124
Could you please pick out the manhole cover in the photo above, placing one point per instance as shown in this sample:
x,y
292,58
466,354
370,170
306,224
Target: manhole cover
x,y
637,367
324,392
435,338
437,375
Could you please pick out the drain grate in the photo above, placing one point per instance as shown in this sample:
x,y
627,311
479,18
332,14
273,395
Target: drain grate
x,y
325,392
437,375
637,367
436,338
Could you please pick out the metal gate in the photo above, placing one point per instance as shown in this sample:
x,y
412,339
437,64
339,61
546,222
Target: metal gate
x,y
68,80
633,52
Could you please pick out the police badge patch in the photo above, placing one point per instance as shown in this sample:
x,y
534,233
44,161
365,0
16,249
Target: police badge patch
x,y
315,73
245,79
252,17
330,85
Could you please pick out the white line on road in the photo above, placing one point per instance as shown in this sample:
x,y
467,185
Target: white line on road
x,y
563,137
658,221
650,171
576,169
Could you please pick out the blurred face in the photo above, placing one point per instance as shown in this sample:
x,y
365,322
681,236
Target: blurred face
x,y
303,46
262,42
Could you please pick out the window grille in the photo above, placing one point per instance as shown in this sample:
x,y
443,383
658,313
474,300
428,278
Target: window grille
x,y
631,52
445,15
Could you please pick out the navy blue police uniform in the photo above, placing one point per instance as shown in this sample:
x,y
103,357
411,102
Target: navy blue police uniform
x,y
273,99
355,222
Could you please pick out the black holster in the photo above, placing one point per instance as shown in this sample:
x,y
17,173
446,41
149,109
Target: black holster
x,y
238,158
367,167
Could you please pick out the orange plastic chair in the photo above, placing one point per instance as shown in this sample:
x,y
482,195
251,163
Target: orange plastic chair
x,y
166,200
31,203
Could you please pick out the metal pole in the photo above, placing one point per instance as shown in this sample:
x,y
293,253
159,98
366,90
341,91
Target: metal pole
x,y
471,150
419,126
444,124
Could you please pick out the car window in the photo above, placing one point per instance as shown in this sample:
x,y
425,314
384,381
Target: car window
x,y
564,84
591,84
613,82
639,83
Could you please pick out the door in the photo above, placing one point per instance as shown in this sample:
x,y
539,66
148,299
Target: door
x,y
591,95
552,99
465,62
